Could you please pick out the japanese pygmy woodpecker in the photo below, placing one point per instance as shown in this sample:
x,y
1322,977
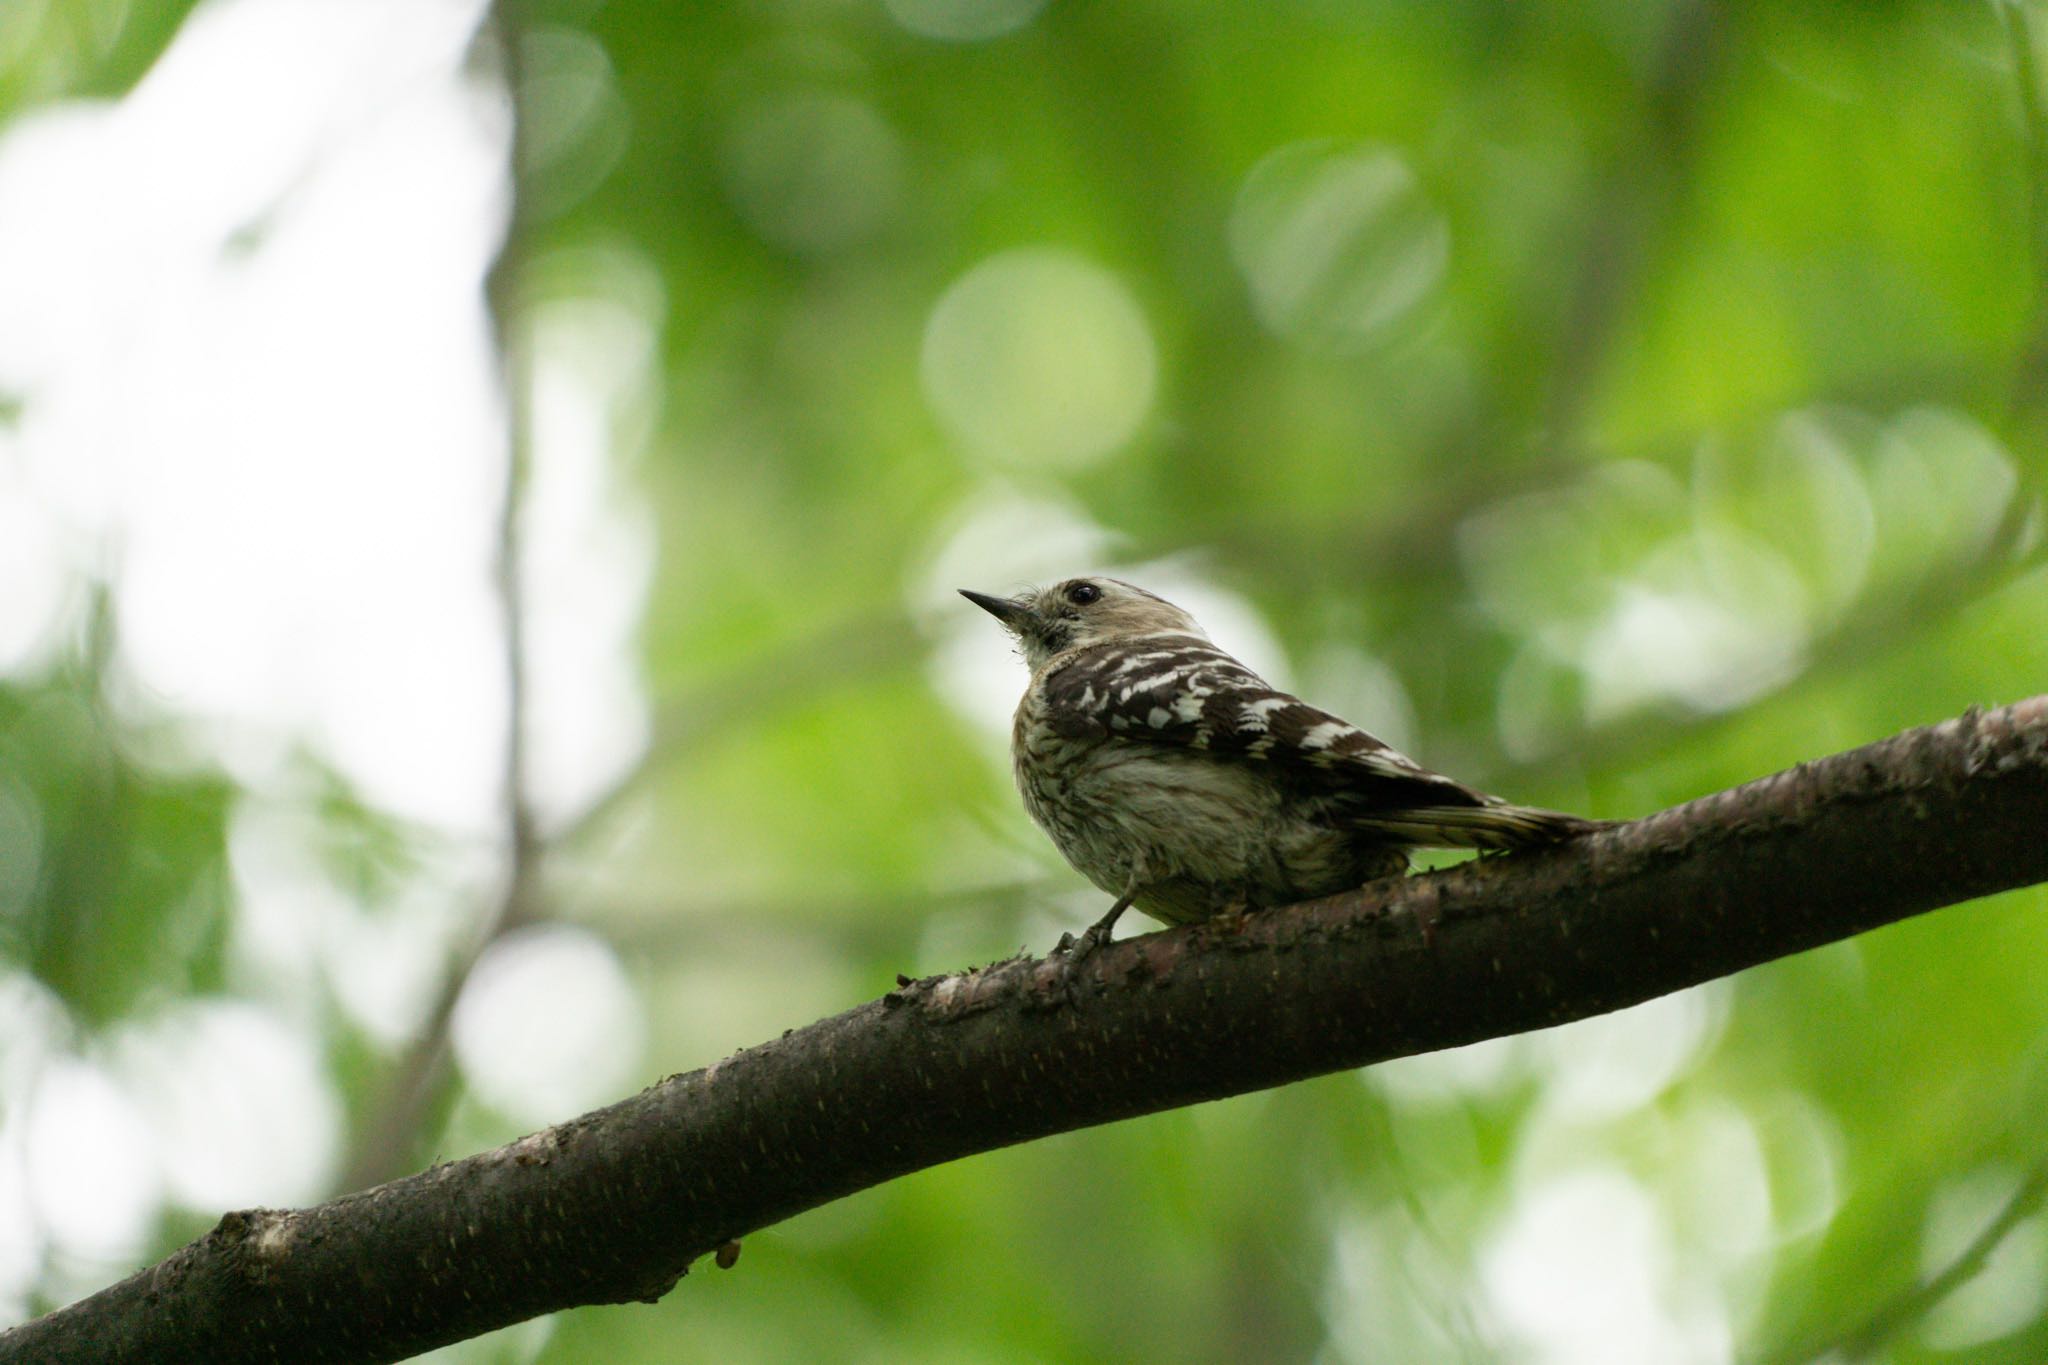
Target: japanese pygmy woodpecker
x,y
1181,782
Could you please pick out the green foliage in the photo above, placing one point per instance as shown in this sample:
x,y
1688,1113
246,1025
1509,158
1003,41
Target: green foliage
x,y
115,870
98,47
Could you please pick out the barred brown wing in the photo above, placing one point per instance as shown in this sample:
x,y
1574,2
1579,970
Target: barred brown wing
x,y
1182,691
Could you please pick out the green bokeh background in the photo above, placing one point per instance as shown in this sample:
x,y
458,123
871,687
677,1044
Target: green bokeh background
x,y
1561,328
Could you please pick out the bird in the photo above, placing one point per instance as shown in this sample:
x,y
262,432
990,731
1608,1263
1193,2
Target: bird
x,y
1181,782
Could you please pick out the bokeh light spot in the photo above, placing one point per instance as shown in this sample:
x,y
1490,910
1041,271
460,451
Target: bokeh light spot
x,y
1613,1064
1037,357
548,1025
2010,1289
241,1107
1576,1274
589,545
93,1178
575,122
1942,484
998,542
1338,244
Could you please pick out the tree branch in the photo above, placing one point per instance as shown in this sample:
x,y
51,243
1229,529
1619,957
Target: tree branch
x,y
613,1206
390,1126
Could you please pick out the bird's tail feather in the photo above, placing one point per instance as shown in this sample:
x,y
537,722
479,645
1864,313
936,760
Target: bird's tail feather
x,y
1493,826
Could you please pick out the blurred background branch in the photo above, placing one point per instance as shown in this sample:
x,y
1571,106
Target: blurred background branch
x,y
389,1133
1892,1321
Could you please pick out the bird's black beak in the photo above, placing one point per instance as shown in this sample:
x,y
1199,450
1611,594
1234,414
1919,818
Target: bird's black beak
x,y
1014,615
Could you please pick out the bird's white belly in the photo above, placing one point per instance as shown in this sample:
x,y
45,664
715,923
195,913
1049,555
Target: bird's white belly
x,y
1185,817
1200,835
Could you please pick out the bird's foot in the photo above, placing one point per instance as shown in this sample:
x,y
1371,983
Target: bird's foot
x,y
1076,950
1079,950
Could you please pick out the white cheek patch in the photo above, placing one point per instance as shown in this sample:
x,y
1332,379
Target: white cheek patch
x,y
1158,717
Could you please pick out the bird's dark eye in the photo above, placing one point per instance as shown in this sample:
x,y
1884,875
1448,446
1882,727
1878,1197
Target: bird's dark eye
x,y
1081,594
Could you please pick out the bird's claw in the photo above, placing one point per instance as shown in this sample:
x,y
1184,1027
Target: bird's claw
x,y
1079,950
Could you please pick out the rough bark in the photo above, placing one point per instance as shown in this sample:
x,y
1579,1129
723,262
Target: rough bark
x,y
613,1206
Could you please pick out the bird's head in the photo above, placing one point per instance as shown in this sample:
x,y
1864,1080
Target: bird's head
x,y
1082,611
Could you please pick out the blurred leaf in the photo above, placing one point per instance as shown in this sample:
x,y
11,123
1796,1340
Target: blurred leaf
x,y
82,48
131,893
